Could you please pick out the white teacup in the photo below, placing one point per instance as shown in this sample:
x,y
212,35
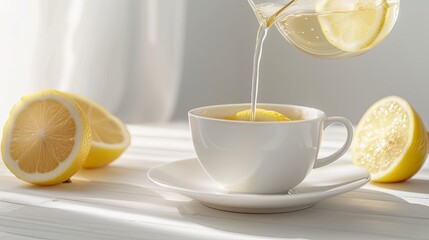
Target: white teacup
x,y
261,157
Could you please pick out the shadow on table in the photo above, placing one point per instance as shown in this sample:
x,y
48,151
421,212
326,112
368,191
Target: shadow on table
x,y
362,213
412,185
115,202
108,186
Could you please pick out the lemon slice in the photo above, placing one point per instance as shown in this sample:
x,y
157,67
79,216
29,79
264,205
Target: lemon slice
x,y
110,137
262,115
390,141
46,138
352,25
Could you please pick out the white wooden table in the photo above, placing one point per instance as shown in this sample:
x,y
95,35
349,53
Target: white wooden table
x,y
119,202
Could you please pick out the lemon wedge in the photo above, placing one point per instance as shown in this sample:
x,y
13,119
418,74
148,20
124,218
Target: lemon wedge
x,y
46,138
390,141
110,137
352,25
262,115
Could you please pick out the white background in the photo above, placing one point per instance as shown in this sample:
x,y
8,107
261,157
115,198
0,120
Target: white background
x,y
220,38
37,39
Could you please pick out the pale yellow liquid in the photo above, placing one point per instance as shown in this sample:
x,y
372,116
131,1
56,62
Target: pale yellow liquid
x,y
304,31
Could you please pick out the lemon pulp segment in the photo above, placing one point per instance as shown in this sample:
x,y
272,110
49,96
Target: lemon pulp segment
x,y
46,138
262,115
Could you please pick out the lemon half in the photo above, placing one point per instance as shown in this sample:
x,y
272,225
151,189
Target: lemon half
x,y
262,115
110,136
390,141
352,25
46,138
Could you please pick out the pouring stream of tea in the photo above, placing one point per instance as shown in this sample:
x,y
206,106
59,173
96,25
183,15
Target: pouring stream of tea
x,y
260,38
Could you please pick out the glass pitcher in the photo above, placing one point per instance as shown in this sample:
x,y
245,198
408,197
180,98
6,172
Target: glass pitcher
x,y
329,28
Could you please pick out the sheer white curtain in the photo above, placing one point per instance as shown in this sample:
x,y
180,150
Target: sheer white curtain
x,y
126,54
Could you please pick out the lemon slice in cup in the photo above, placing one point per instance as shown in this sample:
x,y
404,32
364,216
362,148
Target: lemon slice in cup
x,y
262,115
46,138
352,25
390,141
110,137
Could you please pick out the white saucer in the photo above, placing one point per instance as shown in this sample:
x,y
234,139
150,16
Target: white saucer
x,y
189,178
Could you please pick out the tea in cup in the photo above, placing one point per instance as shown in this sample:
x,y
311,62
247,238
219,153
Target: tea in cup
x,y
262,157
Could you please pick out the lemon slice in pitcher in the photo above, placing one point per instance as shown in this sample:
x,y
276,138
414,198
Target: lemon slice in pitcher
x,y
46,138
262,115
390,141
352,25
110,136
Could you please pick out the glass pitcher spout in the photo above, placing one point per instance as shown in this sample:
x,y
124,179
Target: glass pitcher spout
x,y
274,17
269,11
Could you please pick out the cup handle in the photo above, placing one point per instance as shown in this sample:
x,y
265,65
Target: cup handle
x,y
320,162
